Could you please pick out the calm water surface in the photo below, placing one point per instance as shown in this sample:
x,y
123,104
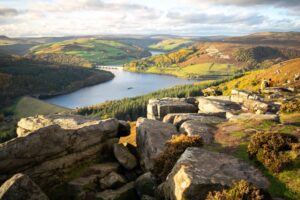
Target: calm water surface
x,y
125,84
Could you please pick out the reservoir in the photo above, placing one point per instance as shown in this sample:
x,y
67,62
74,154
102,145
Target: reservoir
x,y
125,84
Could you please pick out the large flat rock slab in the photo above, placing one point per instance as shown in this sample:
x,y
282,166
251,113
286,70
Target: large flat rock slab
x,y
199,171
158,108
217,104
197,127
151,136
53,143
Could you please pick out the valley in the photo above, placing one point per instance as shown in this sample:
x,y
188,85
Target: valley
x,y
101,117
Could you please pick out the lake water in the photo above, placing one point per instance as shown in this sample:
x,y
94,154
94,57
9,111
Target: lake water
x,y
125,84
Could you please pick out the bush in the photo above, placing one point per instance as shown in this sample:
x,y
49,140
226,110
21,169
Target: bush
x,y
241,190
270,149
291,106
164,163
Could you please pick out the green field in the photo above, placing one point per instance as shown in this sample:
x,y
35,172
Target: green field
x,y
171,44
94,51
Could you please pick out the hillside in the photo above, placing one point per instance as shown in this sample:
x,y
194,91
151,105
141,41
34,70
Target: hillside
x,y
20,76
171,44
212,59
282,74
87,52
270,38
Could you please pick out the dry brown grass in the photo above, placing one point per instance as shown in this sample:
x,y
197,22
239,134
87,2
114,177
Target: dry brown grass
x,y
131,139
175,147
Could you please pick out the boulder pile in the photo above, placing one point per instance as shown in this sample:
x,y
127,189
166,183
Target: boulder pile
x,y
82,158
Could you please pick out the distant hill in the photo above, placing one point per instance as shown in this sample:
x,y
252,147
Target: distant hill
x,y
87,52
171,44
270,38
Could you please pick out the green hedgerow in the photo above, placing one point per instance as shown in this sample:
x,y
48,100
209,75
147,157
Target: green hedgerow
x,y
241,190
164,163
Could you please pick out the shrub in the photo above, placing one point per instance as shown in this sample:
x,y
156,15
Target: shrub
x,y
291,106
270,149
241,190
164,163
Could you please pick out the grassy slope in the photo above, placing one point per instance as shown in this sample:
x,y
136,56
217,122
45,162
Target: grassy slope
x,y
279,73
27,106
94,51
171,44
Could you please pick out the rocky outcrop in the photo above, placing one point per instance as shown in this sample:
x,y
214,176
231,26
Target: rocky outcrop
x,y
240,96
158,108
145,185
151,137
179,118
21,187
49,146
125,158
199,171
217,104
196,127
123,193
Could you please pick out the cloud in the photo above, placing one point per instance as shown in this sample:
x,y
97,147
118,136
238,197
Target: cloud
x,y
292,5
8,12
205,18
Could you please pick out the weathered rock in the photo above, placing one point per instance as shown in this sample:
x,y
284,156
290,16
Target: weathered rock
x,y
208,119
196,127
125,158
125,192
102,169
46,153
240,96
251,116
21,187
255,106
151,138
217,104
145,184
169,118
158,108
199,171
275,90
124,129
112,180
78,186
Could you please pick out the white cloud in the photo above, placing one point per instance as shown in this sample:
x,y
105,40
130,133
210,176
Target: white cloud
x,y
87,17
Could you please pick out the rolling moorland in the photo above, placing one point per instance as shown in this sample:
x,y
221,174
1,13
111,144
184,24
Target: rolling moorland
x,y
211,60
270,146
171,44
87,52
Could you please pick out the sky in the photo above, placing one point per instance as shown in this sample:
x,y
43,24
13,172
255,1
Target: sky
x,y
32,18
